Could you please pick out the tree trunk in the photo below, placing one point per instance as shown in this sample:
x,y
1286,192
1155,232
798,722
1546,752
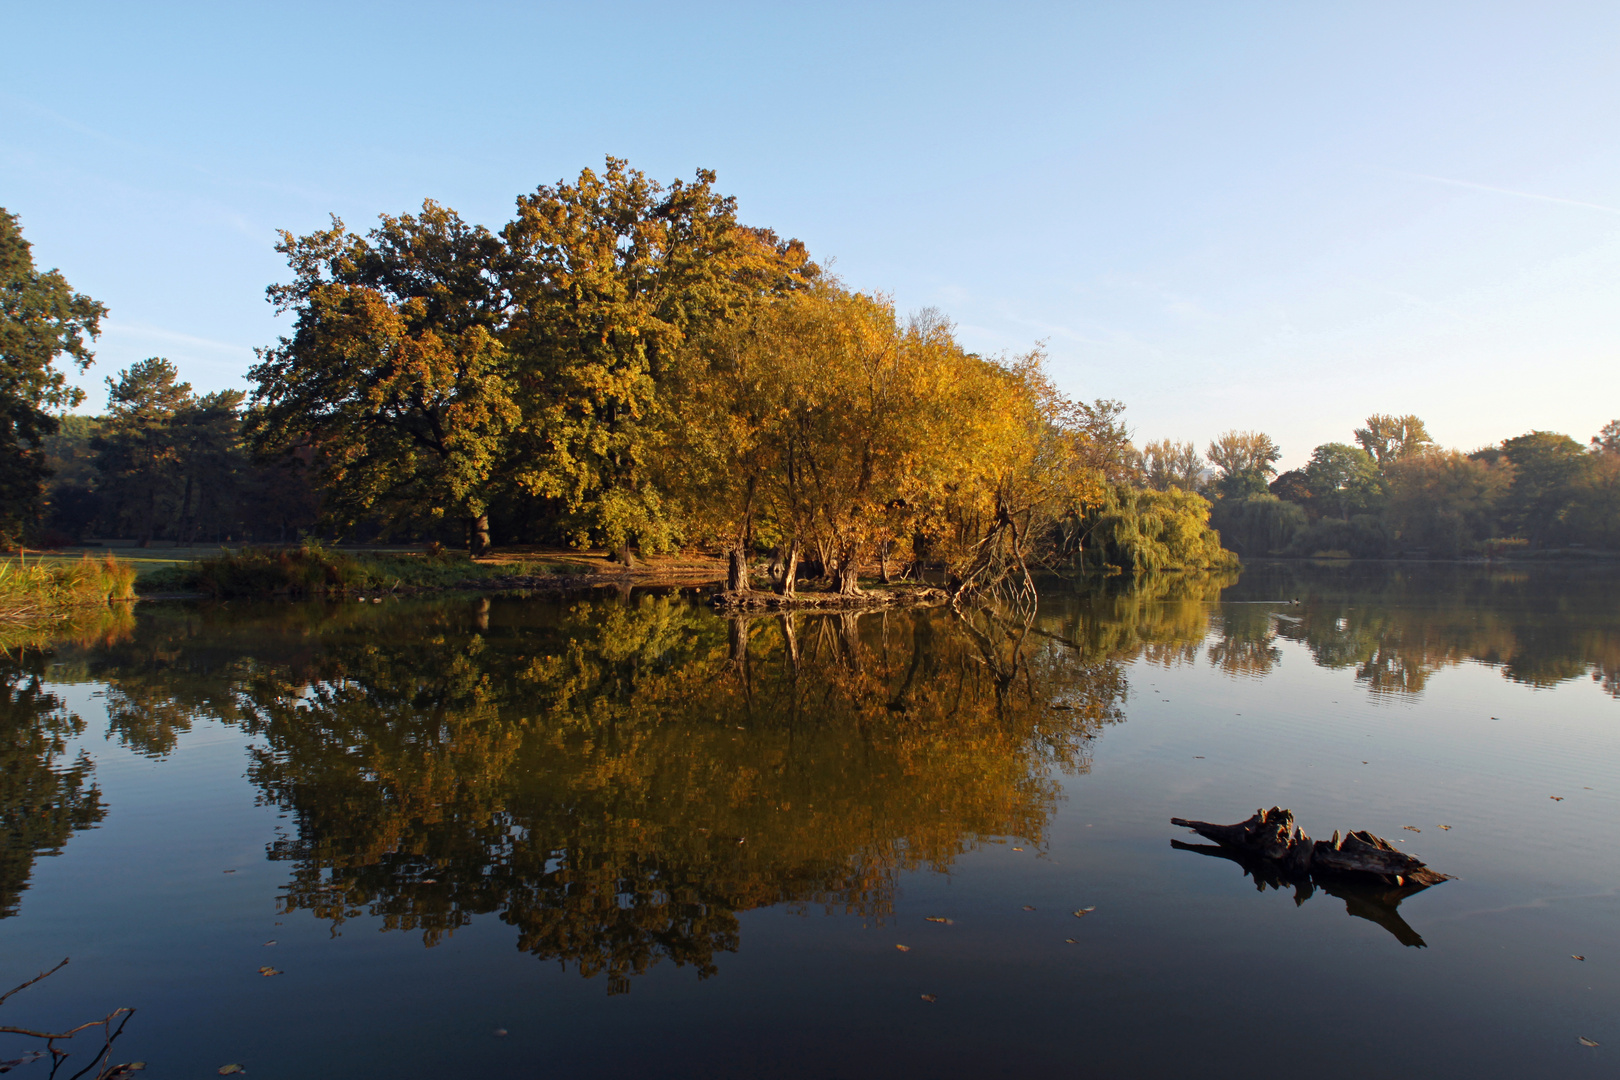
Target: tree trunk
x,y
478,534
737,570
790,569
883,562
624,555
790,635
848,576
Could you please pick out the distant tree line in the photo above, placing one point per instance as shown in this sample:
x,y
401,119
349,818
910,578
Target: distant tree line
x,y
1395,492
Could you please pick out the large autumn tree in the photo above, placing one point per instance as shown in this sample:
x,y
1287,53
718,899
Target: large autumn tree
x,y
41,320
612,277
395,377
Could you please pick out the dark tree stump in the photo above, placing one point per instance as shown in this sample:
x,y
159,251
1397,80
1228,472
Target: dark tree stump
x,y
1272,835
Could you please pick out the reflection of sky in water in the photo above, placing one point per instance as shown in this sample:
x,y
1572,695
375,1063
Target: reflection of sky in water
x,y
621,791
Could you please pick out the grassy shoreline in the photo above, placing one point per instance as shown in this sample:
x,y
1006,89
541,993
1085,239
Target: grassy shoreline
x,y
49,588
316,570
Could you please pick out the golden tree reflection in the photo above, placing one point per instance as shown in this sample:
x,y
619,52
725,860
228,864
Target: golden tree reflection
x,y
620,780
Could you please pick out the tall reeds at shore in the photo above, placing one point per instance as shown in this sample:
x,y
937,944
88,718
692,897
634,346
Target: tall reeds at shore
x,y
52,588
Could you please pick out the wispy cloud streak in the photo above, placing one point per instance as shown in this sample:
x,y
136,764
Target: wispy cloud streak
x,y
1510,191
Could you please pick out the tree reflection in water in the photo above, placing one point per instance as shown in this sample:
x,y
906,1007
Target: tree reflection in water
x,y
620,780
45,796
1396,626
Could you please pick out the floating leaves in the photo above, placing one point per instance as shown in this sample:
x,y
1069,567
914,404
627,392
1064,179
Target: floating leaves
x,y
1556,798
1447,828
1083,912
1070,941
227,1070
903,948
1587,1042
272,941
1018,849
124,1070
938,919
500,1033
1576,956
269,971
1411,828
930,998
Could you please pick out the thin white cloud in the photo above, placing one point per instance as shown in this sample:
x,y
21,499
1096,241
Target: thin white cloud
x,y
1509,191
148,332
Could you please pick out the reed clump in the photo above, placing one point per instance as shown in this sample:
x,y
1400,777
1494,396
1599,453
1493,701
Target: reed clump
x,y
51,588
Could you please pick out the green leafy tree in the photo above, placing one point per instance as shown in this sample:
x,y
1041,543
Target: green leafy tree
x,y
1547,467
1390,438
1244,461
41,319
1445,501
1167,464
1343,479
395,380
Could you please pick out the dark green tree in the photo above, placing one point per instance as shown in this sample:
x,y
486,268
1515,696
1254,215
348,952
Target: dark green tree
x,y
1547,467
395,380
41,319
140,452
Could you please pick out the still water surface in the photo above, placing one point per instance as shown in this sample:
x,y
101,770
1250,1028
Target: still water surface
x,y
637,839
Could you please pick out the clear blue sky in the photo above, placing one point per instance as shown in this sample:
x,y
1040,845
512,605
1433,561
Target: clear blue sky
x,y
1275,216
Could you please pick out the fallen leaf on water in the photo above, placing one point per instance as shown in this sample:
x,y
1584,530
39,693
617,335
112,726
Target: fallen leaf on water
x,y
1586,1042
1411,828
1447,827
937,918
1018,849
1083,912
124,1070
903,948
931,997
226,1070
499,1032
1198,757
269,971
1364,763
1556,798
1029,907
227,871
1070,941
1574,956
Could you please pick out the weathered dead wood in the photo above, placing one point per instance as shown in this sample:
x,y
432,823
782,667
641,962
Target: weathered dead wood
x,y
1273,835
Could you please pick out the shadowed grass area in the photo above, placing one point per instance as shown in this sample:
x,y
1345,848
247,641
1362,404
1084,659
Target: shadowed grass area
x,y
45,589
312,569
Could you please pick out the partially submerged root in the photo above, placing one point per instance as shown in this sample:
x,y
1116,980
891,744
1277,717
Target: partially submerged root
x,y
899,596
1272,835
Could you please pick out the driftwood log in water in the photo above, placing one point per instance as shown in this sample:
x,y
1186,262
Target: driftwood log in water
x,y
894,596
1273,836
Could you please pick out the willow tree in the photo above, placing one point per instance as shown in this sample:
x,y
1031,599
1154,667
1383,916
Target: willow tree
x,y
395,378
611,277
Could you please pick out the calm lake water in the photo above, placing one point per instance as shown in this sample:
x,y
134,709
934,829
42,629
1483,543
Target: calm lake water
x,y
616,836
